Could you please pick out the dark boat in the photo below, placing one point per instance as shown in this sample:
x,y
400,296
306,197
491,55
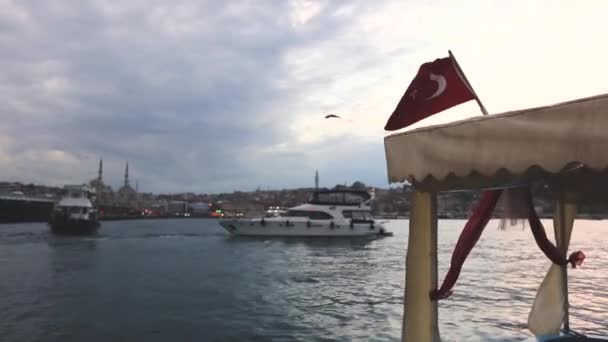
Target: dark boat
x,y
74,214
18,207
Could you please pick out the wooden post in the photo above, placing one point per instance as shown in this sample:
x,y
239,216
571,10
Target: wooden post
x,y
563,221
420,321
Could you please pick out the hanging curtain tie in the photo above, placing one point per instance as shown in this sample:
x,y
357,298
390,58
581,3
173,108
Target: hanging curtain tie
x,y
576,258
436,295
548,248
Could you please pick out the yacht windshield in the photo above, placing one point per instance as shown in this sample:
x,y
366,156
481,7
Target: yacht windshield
x,y
358,215
313,215
339,197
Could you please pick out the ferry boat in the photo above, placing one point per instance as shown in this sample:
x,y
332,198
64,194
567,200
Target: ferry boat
x,y
18,207
328,213
74,214
561,148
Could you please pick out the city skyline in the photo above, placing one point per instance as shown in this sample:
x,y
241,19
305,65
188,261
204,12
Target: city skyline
x,y
99,182
217,96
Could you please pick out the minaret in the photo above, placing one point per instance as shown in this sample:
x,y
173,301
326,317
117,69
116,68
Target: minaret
x,y
127,175
100,172
136,186
317,180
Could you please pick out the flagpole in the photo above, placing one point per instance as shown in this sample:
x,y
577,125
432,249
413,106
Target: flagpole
x,y
464,78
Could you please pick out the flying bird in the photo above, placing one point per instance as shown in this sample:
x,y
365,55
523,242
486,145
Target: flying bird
x,y
332,116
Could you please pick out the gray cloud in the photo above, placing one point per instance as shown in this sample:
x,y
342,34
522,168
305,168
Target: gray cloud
x,y
184,91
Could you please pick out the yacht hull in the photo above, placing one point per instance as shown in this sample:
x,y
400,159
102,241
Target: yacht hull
x,y
64,226
243,227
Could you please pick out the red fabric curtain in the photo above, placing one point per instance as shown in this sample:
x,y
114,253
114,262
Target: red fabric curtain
x,y
467,240
475,226
545,245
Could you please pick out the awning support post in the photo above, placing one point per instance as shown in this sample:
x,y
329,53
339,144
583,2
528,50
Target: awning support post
x,y
550,309
420,321
563,221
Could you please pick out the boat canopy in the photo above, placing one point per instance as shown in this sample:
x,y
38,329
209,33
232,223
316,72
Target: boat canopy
x,y
75,202
506,149
339,197
562,146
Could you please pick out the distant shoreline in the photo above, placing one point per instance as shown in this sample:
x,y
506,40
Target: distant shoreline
x,y
128,218
379,217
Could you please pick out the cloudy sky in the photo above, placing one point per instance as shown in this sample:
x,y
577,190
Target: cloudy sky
x,y
211,96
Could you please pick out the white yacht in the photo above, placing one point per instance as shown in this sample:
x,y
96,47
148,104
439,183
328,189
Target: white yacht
x,y
74,214
328,213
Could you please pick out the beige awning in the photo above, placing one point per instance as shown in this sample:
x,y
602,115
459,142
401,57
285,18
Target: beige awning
x,y
503,149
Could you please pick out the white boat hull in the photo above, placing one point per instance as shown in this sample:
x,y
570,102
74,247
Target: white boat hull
x,y
258,227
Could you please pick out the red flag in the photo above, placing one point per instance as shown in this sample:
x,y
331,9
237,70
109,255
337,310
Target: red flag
x,y
437,87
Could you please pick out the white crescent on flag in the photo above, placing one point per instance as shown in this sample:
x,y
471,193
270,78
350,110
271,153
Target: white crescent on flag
x,y
441,85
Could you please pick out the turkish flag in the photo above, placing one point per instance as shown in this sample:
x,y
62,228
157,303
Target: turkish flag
x,y
437,87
